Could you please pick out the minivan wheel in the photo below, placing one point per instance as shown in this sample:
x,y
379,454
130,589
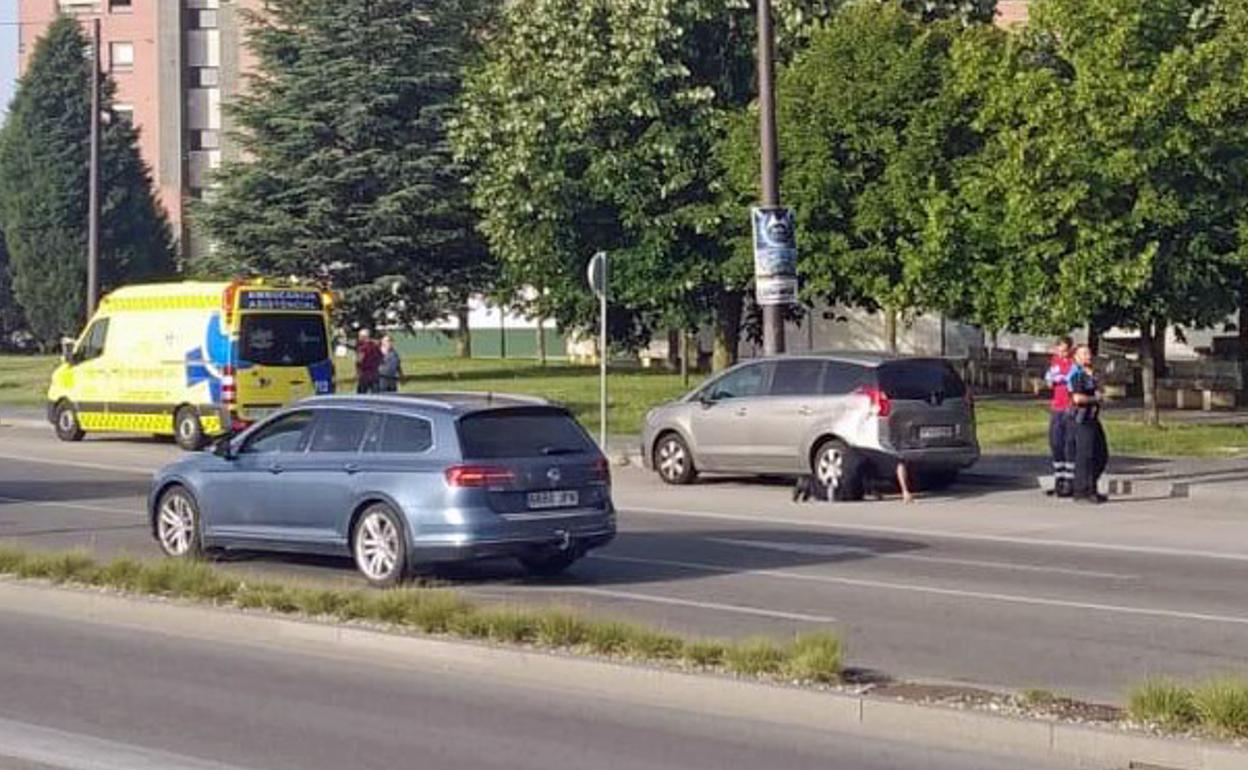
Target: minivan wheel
x,y
177,524
674,461
188,431
549,563
67,425
839,469
380,546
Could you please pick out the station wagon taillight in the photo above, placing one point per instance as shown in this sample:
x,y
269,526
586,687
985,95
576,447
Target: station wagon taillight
x,y
602,470
881,405
476,476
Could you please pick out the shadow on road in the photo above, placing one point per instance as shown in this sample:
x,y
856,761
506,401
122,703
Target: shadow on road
x,y
14,492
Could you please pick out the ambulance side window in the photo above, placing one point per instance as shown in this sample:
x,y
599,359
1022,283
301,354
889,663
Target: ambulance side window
x,y
92,345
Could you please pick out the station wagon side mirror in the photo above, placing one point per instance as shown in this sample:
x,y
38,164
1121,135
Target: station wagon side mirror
x,y
706,399
223,447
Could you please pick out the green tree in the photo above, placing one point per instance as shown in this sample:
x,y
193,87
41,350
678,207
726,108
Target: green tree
x,y
43,190
347,174
870,135
1111,194
11,319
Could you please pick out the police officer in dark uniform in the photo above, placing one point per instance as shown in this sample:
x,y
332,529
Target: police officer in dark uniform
x,y
1085,434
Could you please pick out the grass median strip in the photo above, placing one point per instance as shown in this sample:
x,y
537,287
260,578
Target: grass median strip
x,y
1217,707
811,658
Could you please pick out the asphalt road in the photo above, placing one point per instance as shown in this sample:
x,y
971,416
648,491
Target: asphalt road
x,y
85,696
999,588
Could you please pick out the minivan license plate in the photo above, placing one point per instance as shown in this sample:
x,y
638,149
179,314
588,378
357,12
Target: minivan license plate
x,y
559,498
933,432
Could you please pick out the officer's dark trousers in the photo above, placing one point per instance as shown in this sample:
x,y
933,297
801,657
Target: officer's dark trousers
x,y
1091,456
1063,461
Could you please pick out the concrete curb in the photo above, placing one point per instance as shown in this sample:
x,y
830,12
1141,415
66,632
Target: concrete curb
x,y
865,716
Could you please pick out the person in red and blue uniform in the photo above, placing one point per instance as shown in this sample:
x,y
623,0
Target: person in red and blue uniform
x,y
1059,369
1086,442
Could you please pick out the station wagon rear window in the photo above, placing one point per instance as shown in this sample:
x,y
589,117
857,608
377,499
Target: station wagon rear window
x,y
522,432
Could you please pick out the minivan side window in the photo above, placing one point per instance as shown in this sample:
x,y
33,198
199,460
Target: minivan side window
x,y
339,430
92,345
743,383
797,377
285,434
400,434
841,378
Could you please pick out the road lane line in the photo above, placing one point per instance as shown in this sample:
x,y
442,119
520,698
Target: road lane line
x,y
72,751
69,506
79,464
675,602
816,549
931,590
763,519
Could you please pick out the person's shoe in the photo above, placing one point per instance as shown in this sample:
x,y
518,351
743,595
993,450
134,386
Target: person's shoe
x,y
1096,499
1051,493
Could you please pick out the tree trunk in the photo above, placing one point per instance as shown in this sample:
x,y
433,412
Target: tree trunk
x,y
684,357
1148,370
890,329
541,340
727,329
673,349
1094,339
463,336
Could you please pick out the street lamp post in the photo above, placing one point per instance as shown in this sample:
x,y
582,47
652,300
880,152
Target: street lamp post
x,y
773,314
93,181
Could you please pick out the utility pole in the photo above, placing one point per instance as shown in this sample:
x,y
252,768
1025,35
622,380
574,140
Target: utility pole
x,y
93,181
773,315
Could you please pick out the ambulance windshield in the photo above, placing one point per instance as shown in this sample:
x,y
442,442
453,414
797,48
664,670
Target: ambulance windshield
x,y
283,340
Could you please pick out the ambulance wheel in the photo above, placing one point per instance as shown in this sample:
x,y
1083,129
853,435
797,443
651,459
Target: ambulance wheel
x,y
188,431
67,426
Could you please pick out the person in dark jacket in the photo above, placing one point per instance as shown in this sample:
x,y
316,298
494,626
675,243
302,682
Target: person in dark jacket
x,y
367,363
391,369
1085,433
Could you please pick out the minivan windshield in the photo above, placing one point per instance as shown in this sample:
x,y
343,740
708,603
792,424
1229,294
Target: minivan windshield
x,y
522,432
283,340
919,379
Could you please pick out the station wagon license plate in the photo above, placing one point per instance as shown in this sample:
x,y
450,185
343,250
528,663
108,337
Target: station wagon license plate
x,y
558,498
935,432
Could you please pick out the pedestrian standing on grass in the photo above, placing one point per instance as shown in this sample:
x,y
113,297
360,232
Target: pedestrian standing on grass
x,y
391,369
1087,440
367,363
1059,369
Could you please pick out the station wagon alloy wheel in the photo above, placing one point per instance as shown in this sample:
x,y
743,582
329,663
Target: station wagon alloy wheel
x,y
380,551
838,469
673,461
177,524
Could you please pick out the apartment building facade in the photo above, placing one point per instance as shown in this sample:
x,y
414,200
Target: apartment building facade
x,y
174,62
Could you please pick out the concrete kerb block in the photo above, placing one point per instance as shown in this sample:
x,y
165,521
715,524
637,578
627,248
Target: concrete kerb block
x,y
955,728
1119,749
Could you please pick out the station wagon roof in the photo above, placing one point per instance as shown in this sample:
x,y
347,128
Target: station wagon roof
x,y
867,358
453,402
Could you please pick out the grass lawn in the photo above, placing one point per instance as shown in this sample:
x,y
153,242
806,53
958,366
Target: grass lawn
x,y
1004,426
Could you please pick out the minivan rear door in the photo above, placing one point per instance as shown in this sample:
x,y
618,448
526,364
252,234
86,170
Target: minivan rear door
x,y
929,405
542,462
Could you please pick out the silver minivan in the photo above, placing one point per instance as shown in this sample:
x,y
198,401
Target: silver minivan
x,y
838,417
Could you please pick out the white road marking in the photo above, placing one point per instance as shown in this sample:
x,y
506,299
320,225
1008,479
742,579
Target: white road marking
x,y
73,751
675,602
70,506
932,590
817,549
1145,550
130,469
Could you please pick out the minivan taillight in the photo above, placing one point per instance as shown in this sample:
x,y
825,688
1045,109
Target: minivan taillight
x,y
881,405
477,476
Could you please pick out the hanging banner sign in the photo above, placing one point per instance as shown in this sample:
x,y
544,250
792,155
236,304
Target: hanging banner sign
x,y
775,242
780,290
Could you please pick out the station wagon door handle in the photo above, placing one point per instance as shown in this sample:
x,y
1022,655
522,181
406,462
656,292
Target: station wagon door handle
x,y
351,468
741,411
276,468
805,411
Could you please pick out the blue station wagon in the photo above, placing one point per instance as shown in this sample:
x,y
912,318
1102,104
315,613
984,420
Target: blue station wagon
x,y
397,482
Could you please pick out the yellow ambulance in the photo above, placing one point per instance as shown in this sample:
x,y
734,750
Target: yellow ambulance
x,y
192,360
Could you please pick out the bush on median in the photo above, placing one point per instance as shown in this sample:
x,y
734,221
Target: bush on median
x,y
811,658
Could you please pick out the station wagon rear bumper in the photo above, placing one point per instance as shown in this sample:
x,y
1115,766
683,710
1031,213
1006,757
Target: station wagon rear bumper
x,y
467,547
